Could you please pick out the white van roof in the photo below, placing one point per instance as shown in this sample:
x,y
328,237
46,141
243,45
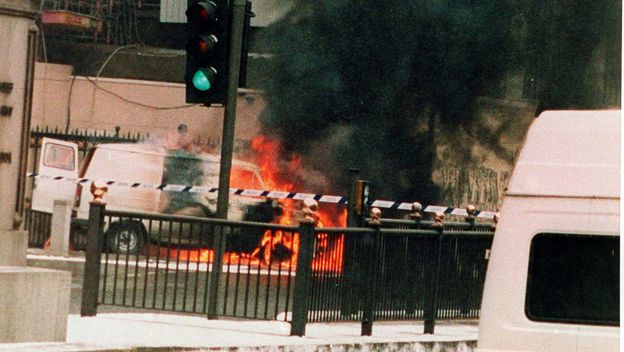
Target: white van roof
x,y
149,148
570,154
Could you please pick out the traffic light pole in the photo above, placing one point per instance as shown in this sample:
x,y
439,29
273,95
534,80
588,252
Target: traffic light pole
x,y
227,147
229,120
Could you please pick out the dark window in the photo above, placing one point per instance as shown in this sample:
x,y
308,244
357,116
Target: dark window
x,y
574,279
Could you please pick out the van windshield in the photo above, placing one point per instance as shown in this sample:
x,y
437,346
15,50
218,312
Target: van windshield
x,y
244,178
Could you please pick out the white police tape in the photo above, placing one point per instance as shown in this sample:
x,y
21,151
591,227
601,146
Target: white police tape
x,y
432,209
386,204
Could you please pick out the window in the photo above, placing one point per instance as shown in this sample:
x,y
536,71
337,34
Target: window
x,y
574,279
59,156
244,178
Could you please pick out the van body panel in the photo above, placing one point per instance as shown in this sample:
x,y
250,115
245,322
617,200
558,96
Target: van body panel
x,y
503,322
570,153
58,158
598,339
128,166
145,164
564,184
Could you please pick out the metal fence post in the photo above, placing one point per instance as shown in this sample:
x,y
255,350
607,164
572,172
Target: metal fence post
x,y
300,303
352,211
91,275
431,290
351,270
467,264
215,275
416,215
370,297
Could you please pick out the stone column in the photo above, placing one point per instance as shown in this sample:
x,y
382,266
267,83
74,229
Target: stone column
x,y
18,38
34,302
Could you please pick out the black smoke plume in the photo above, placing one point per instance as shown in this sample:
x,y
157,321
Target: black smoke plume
x,y
357,83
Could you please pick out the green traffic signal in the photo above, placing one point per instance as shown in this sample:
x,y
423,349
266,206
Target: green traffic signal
x,y
206,51
204,78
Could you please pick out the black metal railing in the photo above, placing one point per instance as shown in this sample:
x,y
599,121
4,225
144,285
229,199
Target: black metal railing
x,y
404,263
297,274
39,226
85,140
172,268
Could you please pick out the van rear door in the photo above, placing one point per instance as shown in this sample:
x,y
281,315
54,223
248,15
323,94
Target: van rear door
x,y
57,159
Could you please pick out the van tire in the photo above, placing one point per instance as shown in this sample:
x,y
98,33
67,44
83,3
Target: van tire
x,y
125,237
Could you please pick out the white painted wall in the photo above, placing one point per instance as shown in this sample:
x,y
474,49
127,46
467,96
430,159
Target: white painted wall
x,y
156,108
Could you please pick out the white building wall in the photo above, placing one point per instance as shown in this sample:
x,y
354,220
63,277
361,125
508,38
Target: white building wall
x,y
62,100
172,11
265,11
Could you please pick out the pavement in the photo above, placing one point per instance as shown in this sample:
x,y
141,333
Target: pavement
x,y
149,330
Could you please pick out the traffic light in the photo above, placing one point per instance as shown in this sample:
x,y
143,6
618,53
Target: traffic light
x,y
207,49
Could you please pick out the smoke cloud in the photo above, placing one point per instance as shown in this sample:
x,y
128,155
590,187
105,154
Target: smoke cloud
x,y
355,84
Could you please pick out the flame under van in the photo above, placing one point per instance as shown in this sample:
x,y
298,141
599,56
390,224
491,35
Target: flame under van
x,y
144,164
552,281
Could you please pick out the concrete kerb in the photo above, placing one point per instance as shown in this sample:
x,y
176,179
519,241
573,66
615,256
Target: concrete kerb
x,y
135,332
465,346
400,347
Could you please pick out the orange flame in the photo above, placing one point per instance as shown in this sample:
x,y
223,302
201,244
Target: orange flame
x,y
329,251
279,174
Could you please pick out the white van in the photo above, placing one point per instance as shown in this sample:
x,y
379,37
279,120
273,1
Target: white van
x,y
552,281
142,164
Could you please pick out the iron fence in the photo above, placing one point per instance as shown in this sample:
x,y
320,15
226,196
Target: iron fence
x,y
39,226
173,267
85,140
416,268
297,274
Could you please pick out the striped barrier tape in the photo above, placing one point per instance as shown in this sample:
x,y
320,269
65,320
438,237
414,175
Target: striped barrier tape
x,y
386,204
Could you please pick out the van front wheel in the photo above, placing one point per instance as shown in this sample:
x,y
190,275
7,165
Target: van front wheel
x,y
125,238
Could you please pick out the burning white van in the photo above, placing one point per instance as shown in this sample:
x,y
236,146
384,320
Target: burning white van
x,y
144,164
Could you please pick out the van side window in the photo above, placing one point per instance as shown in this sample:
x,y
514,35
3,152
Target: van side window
x,y
574,279
59,156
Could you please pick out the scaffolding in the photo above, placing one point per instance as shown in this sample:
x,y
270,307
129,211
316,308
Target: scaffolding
x,y
108,21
